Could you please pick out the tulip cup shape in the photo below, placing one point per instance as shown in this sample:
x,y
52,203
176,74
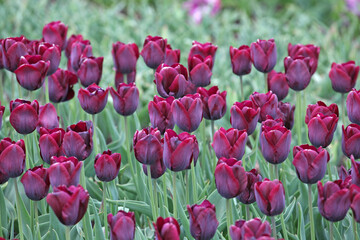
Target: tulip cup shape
x,y
240,60
107,165
353,106
160,114
2,110
355,201
167,229
263,55
179,150
334,200
148,146
214,102
200,70
229,143
154,51
122,225
310,163
308,50
230,177
55,33
343,76
36,183
90,70
277,84
244,115
270,197
49,52
203,222
72,39
12,158
286,112
125,99
298,71
355,171
11,50
248,195
252,229
350,140
48,117
50,143
93,99
203,50
321,129
125,57
267,102
157,169
61,85
64,171
24,115
79,50
172,56
320,107
69,203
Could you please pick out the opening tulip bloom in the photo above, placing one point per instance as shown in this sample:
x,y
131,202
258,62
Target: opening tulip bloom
x,y
90,70
277,84
320,107
48,117
200,70
154,51
267,102
36,183
252,229
355,201
79,50
160,113
107,165
321,129
355,171
50,143
179,150
148,146
125,99
203,50
203,222
244,115
24,115
240,60
230,177
310,163
353,106
167,229
122,225
298,71
48,52
64,171
229,143
270,197
286,112
55,33
93,99
214,102
125,57
11,50
343,76
264,55
334,200
12,158
69,203
172,56
308,50
72,39
248,195
61,85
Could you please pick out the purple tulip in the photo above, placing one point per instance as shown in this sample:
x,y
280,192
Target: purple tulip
x,y
2,110
79,49
61,85
50,143
122,225
263,55
277,84
343,76
244,115
55,33
248,195
120,78
353,106
200,70
320,107
90,70
72,39
267,102
36,183
48,117
93,99
157,169
240,60
321,129
355,171
286,112
172,56
148,146
107,165
308,50
270,197
12,158
125,99
154,51
351,140
214,102
202,49
252,229
125,57
355,201
11,50
64,171
298,71
160,113
24,115
48,52
167,229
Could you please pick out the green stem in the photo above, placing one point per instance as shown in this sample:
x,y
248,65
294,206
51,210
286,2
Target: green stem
x,y
248,216
67,232
46,88
2,197
155,196
228,216
212,129
153,207
331,230
32,215
105,209
18,209
312,225
298,116
276,170
96,147
187,187
203,163
174,195
194,185
266,83
2,93
37,219
283,227
241,89
329,171
128,143
343,112
354,225
274,227
165,192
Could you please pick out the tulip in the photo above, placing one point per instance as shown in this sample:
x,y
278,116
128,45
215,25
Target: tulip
x,y
355,201
72,39
160,113
343,173
167,229
61,85
334,200
31,72
298,71
48,52
343,76
203,222
244,115
107,165
230,177
267,102
79,50
320,107
252,229
154,51
263,55
125,99
119,78
36,183
78,140
93,99
355,171
188,112
24,115
200,70
321,129
157,169
229,143
179,150
12,158
55,33
203,50
247,196
48,117
214,102
148,146
286,112
50,143
2,110
90,70
240,60
125,57
171,81
351,140
277,84
310,163
69,203
308,50
122,225
353,106
11,50
271,123
64,171
172,56
270,197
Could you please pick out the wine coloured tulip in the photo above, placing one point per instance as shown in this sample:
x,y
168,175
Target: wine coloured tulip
x,y
248,195
214,102
90,70
154,51
240,60
12,157
79,49
172,56
229,143
167,229
107,165
50,143
48,117
343,76
12,49
264,55
355,201
61,85
148,146
200,70
286,112
122,225
308,50
251,229
24,115
298,71
2,110
355,171
353,106
351,140
267,102
270,197
93,99
55,33
36,183
157,169
125,98
203,50
244,116
160,114
72,39
320,107
277,84
125,57
64,171
48,52
321,129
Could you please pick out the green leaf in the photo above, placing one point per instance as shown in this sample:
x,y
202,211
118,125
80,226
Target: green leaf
x,y
99,234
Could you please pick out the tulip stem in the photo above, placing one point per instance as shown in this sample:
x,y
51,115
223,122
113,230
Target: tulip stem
x,y
329,171
187,187
174,195
343,112
274,227
46,88
241,89
165,192
96,149
212,129
355,228
266,83
128,144
105,209
67,232
248,216
312,226
276,174
331,230
228,216
37,219
2,199
18,209
194,185
283,226
151,190
298,116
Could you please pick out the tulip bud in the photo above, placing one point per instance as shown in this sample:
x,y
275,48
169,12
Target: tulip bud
x,y
214,103
157,169
308,50
351,140
267,102
172,56
12,49
320,107
69,203
50,143
24,115
248,195
200,70
64,171
343,76
79,50
270,197
355,201
122,225
230,177
355,171
61,85
240,60
148,146
353,106
252,229
286,112
244,115
160,113
264,55
93,99
125,99
107,165
12,158
277,84
229,143
298,71
36,183
48,117
55,33
203,50
167,229
72,39
203,222
321,129
90,70
154,51
48,52
2,110
125,57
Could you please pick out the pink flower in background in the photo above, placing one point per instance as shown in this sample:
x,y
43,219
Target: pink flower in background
x,y
198,8
353,6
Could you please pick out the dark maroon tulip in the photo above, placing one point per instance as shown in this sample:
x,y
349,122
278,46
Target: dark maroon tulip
x,y
351,140
2,110
270,122
203,222
107,165
214,102
12,157
55,33
167,229
125,57
93,99
172,56
64,171
244,115
188,112
343,76
200,70
334,200
79,49
308,50
160,113
263,55
180,150
125,99
24,115
252,229
154,51
120,78
171,81
270,197
90,70
78,140
148,146
48,117
157,169
248,195
277,84
353,106
31,72
68,203
48,52
355,171
229,143
11,50
267,102
343,173
73,38
122,225
310,163
321,129
320,107
298,72
286,112
204,50
230,177
61,85
50,143
36,183
240,60
355,201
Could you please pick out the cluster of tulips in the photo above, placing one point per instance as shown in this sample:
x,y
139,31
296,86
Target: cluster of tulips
x,y
183,101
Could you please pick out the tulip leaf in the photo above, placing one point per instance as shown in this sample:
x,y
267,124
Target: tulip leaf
x,y
99,234
138,206
87,226
219,202
301,225
93,189
320,228
289,209
3,208
184,220
139,235
56,227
